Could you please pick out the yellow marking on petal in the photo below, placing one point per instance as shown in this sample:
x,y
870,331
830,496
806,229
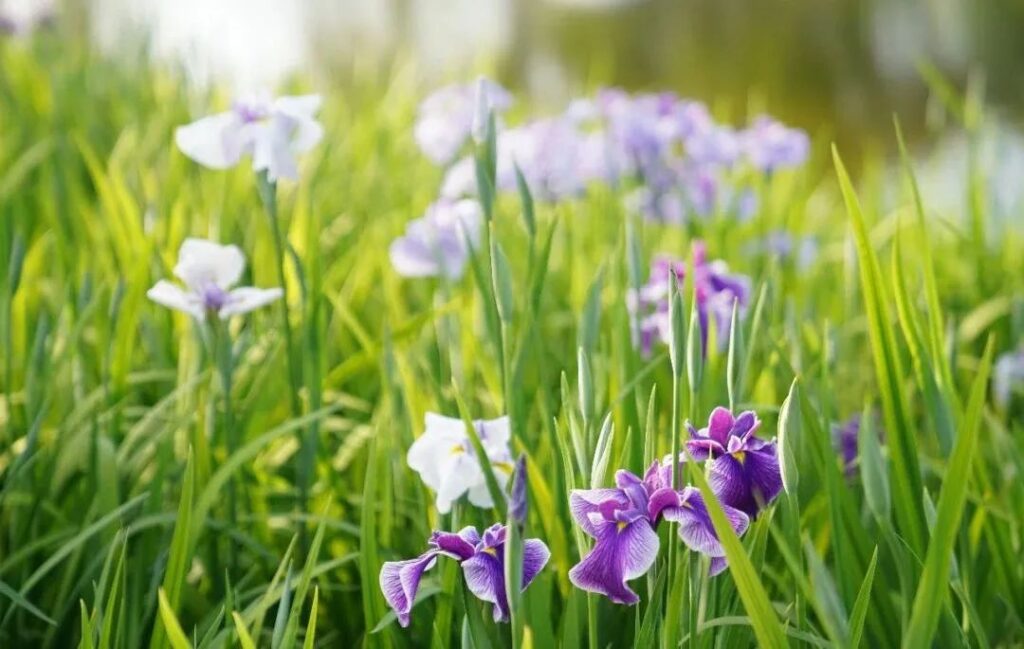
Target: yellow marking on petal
x,y
621,525
457,449
740,456
491,551
504,466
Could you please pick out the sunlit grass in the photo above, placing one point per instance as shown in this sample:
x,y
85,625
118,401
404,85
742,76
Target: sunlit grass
x,y
114,518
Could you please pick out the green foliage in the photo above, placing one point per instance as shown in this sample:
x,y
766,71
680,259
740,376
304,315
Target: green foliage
x,y
125,435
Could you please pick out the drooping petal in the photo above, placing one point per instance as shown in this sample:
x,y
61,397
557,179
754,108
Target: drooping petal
x,y
718,564
246,299
459,473
585,502
480,495
215,141
695,526
272,150
763,472
169,295
622,552
399,581
704,449
485,577
203,263
535,557
747,480
302,110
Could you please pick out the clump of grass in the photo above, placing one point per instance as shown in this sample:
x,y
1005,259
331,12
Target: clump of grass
x,y
115,528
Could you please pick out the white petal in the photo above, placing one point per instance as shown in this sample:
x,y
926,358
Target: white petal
x,y
214,141
272,149
299,106
246,299
202,262
410,258
169,295
458,475
305,132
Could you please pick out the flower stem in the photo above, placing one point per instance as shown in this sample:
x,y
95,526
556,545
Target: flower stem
x,y
222,351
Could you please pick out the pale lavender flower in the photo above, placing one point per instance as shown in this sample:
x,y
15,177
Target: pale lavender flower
x,y
743,469
623,521
437,244
771,145
483,566
209,270
1007,376
446,461
274,132
716,291
445,118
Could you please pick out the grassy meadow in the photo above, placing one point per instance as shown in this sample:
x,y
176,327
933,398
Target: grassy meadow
x,y
166,483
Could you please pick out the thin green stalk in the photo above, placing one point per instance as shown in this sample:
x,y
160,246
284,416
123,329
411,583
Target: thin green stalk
x,y
222,351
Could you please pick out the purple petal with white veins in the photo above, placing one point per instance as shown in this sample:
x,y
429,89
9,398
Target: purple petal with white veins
x,y
485,577
535,557
718,564
750,484
585,502
399,581
763,472
704,449
695,526
622,552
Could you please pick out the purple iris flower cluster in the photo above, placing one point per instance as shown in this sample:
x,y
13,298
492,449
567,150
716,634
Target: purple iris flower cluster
x,y
483,564
681,160
743,474
716,291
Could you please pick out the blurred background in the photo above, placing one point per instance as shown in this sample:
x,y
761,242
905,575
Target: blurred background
x,y
842,66
838,68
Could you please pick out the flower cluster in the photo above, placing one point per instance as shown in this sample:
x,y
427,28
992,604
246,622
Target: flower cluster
x,y
743,474
716,292
209,270
680,156
483,564
446,461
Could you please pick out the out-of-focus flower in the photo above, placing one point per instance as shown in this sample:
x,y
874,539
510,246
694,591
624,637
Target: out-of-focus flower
x,y
483,565
771,145
444,457
445,119
273,131
844,439
785,246
209,270
623,522
743,468
1007,376
437,244
716,289
23,18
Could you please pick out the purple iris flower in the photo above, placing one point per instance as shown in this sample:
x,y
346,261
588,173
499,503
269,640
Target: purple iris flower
x,y
844,439
623,522
743,468
483,564
717,290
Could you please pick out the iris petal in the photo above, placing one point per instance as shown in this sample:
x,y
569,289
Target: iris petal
x,y
620,554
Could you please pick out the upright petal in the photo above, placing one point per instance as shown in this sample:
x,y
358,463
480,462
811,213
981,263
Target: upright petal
x,y
485,577
583,503
622,552
246,299
720,425
169,295
202,263
399,581
535,557
662,499
214,142
455,546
